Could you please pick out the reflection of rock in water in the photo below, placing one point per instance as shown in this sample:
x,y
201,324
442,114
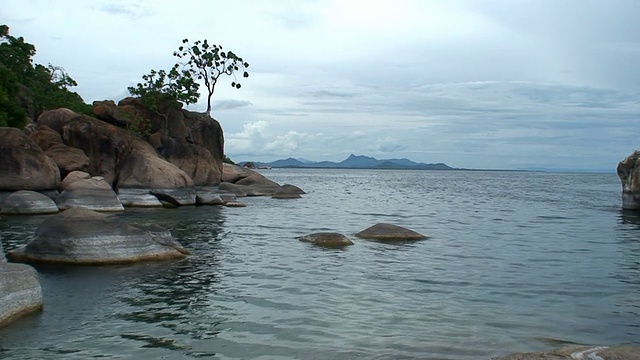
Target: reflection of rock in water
x,y
630,217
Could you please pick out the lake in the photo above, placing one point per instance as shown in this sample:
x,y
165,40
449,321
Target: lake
x,y
515,261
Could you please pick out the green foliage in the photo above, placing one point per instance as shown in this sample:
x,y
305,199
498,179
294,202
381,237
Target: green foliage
x,y
207,62
26,89
161,86
228,160
136,124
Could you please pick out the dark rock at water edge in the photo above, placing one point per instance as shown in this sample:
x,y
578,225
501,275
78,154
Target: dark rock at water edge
x,y
82,236
20,291
327,239
28,202
389,233
629,174
138,198
93,194
208,196
176,197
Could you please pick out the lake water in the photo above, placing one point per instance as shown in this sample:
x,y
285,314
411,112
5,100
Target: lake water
x,y
514,262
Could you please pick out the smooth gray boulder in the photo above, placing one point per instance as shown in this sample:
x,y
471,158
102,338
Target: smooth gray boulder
x,y
577,352
292,189
93,194
208,196
389,233
28,202
232,188
131,197
327,239
286,193
20,291
73,177
82,236
176,196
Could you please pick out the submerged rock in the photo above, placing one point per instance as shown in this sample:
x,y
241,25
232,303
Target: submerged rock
x,y
20,291
28,202
621,352
327,239
82,236
234,204
389,233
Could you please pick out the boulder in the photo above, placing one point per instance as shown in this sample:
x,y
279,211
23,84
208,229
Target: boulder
x,y
629,174
176,197
20,291
257,185
73,177
327,239
68,158
93,194
28,202
232,173
577,352
234,189
286,194
23,165
208,196
143,168
292,189
138,198
389,233
82,236
45,137
195,160
227,196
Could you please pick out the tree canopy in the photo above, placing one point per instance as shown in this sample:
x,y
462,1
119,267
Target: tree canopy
x,y
27,89
202,62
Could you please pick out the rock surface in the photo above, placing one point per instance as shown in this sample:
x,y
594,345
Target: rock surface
x,y
82,236
138,198
23,165
327,239
208,196
73,177
621,352
389,233
28,202
93,194
629,174
20,291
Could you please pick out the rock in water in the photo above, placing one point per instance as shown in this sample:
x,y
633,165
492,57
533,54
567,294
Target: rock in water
x,y
577,352
327,239
389,233
20,291
94,194
28,202
629,174
82,236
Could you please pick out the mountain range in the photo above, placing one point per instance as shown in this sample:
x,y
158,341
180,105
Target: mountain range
x,y
354,162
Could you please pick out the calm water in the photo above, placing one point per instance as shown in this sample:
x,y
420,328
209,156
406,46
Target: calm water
x,y
514,262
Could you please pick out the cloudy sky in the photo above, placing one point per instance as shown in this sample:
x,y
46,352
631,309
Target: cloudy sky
x,y
477,84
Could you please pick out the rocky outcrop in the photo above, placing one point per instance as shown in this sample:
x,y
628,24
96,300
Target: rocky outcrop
x,y
389,233
28,202
23,165
621,352
327,239
67,158
93,194
138,198
20,291
246,181
629,174
81,236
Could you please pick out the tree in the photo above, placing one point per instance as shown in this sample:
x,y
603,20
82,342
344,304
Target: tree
x,y
160,86
208,62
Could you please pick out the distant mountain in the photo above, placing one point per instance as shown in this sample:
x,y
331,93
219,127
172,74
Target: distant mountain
x,y
355,162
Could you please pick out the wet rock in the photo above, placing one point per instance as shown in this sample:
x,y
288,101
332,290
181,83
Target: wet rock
x,y
208,196
138,198
286,193
327,239
20,291
73,177
234,204
292,189
389,233
93,194
28,202
234,189
176,197
247,181
227,196
629,174
620,352
82,236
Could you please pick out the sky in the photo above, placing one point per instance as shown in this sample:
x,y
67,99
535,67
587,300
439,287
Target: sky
x,y
486,84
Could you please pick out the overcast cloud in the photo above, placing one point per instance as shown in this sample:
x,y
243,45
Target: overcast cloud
x,y
474,84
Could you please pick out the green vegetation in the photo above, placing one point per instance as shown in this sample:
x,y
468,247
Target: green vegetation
x,y
29,90
228,160
204,62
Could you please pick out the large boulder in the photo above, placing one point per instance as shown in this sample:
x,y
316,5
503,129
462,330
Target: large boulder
x,y
131,197
20,291
67,158
389,233
327,239
94,194
73,177
577,352
629,174
23,165
82,236
247,181
28,202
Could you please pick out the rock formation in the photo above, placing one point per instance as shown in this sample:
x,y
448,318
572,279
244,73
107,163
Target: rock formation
x,y
28,202
93,194
629,173
82,236
20,291
327,239
389,233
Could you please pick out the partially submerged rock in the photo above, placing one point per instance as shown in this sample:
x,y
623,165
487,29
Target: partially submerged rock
x,y
177,196
82,236
621,352
389,233
138,198
234,204
93,194
286,193
28,202
327,239
208,196
629,174
20,291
